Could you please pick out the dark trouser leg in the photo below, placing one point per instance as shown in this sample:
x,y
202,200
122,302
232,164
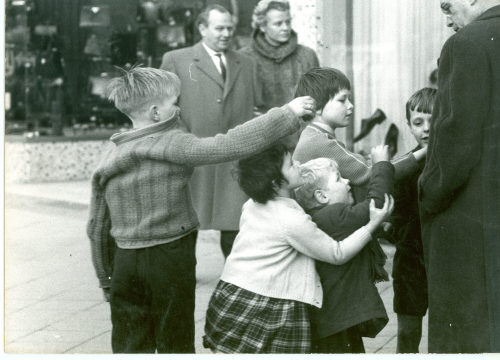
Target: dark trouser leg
x,y
226,241
347,341
152,298
133,327
409,333
173,285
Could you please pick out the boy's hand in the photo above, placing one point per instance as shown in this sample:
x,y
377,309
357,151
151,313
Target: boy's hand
x,y
378,216
380,153
303,106
420,154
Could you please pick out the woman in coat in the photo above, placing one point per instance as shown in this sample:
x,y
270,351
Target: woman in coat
x,y
280,60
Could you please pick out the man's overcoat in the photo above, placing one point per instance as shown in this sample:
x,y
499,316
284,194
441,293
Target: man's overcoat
x,y
459,193
209,107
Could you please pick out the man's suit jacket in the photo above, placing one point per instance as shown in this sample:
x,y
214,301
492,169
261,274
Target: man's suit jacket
x,y
209,107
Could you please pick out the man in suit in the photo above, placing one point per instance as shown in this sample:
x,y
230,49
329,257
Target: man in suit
x,y
459,189
217,93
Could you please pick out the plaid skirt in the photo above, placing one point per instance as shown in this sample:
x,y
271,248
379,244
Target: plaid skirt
x,y
240,321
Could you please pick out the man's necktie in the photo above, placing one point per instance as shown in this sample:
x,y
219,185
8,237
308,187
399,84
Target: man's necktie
x,y
222,66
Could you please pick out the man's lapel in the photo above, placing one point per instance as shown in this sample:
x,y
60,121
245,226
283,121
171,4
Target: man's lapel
x,y
203,62
233,66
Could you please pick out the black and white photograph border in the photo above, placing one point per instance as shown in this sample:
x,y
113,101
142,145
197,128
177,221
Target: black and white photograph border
x,y
52,300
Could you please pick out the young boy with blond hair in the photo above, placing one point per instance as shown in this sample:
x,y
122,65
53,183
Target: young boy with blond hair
x,y
352,307
141,203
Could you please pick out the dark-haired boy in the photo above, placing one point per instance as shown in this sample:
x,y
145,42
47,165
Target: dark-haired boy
x,y
332,91
408,272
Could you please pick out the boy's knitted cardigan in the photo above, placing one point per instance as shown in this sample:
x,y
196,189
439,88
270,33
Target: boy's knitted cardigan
x,y
140,194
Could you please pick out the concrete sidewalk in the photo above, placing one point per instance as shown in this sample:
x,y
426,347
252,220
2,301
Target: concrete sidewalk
x,y
52,300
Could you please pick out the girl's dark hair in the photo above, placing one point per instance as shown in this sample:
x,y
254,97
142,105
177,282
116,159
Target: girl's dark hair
x,y
322,84
260,174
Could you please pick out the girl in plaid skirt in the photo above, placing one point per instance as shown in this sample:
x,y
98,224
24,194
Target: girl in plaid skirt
x,y
261,303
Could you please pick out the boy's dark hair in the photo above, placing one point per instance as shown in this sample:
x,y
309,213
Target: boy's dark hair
x,y
422,101
203,16
322,84
260,174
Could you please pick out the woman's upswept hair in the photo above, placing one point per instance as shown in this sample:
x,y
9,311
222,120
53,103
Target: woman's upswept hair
x,y
260,175
261,9
139,86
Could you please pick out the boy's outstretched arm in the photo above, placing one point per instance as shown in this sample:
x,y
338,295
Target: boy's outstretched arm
x,y
382,178
242,141
406,165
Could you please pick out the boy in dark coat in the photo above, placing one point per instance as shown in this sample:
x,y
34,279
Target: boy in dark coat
x,y
408,272
352,307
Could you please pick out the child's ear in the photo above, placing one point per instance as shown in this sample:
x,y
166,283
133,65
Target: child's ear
x,y
320,196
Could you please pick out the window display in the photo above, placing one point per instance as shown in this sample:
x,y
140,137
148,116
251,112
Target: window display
x,y
59,56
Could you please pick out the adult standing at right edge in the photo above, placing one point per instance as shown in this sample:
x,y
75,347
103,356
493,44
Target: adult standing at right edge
x,y
459,189
280,60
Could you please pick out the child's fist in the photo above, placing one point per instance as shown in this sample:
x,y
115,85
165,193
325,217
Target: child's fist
x,y
303,106
380,153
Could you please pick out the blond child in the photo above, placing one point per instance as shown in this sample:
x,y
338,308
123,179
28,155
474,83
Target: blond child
x,y
352,307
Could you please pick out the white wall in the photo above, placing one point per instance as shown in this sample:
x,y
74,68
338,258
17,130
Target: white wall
x,y
396,45
304,21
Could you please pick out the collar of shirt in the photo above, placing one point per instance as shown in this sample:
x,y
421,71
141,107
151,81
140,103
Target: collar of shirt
x,y
215,59
323,127
133,134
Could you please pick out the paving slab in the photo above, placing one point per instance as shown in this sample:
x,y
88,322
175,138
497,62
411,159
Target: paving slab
x,y
53,304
